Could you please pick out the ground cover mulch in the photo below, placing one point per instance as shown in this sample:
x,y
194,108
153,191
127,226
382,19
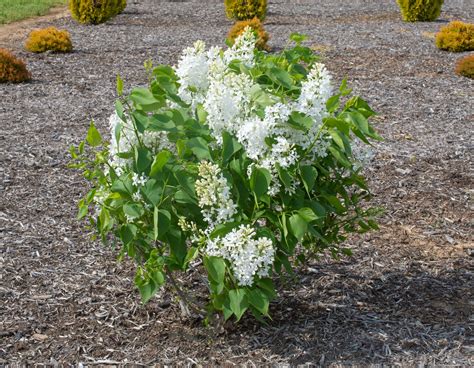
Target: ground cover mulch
x,y
404,297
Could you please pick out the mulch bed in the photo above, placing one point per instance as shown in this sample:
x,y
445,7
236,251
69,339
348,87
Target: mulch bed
x,y
405,297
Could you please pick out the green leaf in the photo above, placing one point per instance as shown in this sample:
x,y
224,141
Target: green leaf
x,y
285,177
259,300
152,191
307,214
230,146
200,148
105,221
373,224
281,77
260,97
143,159
284,225
336,203
361,105
215,267
300,121
201,114
358,120
343,88
223,229
267,287
298,38
178,117
298,226
193,252
93,136
164,221
186,182
340,124
336,137
155,223
165,70
161,122
141,120
119,110
83,210
227,312
340,157
177,245
119,85
182,197
157,277
147,291
308,175
144,98
332,104
128,233
134,210
122,185
238,302
260,181
161,159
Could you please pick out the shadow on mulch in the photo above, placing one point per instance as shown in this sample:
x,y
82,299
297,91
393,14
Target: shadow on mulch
x,y
344,315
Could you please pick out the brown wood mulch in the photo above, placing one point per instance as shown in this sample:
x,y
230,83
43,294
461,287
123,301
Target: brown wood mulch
x,y
404,298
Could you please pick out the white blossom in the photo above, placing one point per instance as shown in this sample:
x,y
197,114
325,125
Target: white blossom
x,y
243,48
362,155
248,255
126,133
315,91
192,71
214,195
139,180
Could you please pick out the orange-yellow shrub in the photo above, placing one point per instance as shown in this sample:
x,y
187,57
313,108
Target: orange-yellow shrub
x,y
12,69
465,66
49,39
257,26
457,36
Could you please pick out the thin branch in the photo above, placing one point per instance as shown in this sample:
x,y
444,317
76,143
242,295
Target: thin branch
x,y
195,307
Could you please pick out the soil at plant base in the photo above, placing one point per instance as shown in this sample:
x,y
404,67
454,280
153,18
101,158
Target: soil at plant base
x,y
405,297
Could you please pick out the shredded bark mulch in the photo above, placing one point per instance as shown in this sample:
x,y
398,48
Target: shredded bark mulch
x,y
404,297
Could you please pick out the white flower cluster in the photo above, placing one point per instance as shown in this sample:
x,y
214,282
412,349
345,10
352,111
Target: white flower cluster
x,y
192,72
128,138
362,155
248,255
315,91
214,195
227,99
206,78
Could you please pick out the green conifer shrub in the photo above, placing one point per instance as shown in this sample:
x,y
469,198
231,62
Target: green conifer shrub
x,y
420,10
95,11
245,9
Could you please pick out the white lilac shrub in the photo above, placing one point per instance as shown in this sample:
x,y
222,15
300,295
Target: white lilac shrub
x,y
235,163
